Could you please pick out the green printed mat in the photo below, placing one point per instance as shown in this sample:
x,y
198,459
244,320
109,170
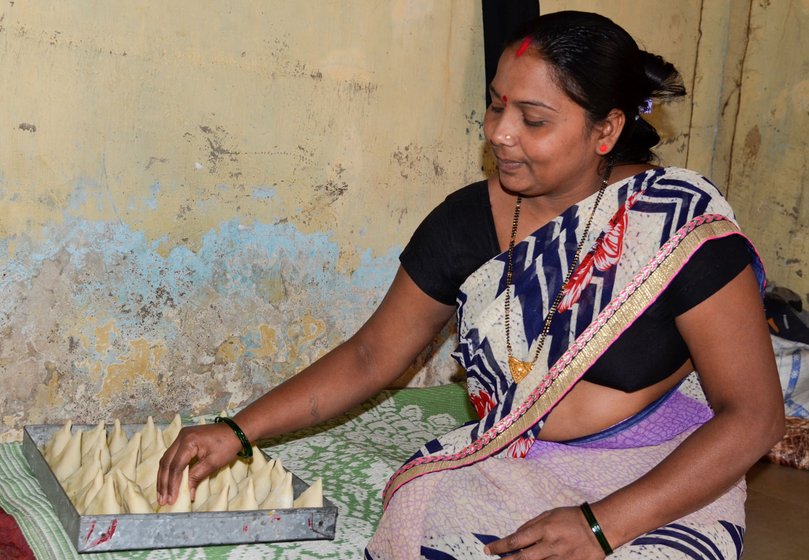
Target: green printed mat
x,y
353,454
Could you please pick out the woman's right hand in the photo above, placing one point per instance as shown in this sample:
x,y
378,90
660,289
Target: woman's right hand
x,y
210,447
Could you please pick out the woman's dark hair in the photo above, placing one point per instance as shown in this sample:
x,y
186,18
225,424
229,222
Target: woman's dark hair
x,y
600,67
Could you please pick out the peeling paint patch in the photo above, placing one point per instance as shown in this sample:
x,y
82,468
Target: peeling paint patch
x,y
153,160
262,193
414,159
752,143
332,189
216,138
108,327
139,367
32,128
229,351
474,125
154,191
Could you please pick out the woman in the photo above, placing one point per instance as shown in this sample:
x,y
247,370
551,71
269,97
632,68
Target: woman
x,y
589,284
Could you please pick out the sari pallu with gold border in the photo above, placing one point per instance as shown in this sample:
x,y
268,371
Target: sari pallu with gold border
x,y
483,480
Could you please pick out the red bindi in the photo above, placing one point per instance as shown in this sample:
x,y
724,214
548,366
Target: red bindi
x,y
523,47
505,100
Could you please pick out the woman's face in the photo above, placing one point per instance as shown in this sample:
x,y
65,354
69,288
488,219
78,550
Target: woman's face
x,y
540,137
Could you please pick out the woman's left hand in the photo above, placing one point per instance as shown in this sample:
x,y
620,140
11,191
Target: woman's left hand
x,y
558,533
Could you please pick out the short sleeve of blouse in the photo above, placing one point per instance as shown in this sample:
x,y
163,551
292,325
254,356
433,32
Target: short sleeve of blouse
x,y
714,264
453,241
653,340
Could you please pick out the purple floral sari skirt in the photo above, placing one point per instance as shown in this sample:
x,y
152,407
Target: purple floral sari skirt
x,y
454,513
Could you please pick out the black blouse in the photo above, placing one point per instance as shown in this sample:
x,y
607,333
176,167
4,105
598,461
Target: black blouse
x,y
459,236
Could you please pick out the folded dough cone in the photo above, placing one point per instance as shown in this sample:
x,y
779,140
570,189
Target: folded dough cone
x,y
91,438
281,495
58,441
105,501
134,501
238,469
277,473
148,435
129,454
86,494
312,497
245,500
259,460
157,446
83,475
216,502
183,501
146,472
69,460
224,477
93,441
117,439
150,493
171,431
121,481
128,465
262,482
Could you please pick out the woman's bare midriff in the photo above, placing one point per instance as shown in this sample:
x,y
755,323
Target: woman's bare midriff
x,y
589,408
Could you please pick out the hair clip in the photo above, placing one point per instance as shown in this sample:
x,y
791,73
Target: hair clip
x,y
646,107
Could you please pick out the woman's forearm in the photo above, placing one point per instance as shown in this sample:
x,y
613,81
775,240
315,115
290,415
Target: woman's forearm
x,y
730,347
332,385
701,469
405,322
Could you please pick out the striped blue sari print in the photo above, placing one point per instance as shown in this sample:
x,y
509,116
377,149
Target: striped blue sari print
x,y
691,543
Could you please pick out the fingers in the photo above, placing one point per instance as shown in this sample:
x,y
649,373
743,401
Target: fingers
x,y
172,464
212,446
199,471
515,542
526,535
558,533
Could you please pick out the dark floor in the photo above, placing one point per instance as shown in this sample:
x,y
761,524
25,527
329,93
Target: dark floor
x,y
777,513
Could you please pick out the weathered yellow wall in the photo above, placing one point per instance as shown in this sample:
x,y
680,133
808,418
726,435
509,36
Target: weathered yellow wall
x,y
745,121
769,175
670,29
199,198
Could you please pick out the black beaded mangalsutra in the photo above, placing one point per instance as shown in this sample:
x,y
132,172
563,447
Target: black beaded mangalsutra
x,y
520,369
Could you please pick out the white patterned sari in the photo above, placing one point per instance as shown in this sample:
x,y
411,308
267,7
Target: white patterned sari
x,y
480,482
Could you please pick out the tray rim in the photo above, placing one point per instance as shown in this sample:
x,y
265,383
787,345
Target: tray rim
x,y
97,533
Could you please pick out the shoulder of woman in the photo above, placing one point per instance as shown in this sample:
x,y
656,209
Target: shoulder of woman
x,y
689,176
690,179
700,196
475,194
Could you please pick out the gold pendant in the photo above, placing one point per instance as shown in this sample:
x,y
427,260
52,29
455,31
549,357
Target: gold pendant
x,y
519,369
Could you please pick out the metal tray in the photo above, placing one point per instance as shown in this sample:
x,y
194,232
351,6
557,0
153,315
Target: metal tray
x,y
104,533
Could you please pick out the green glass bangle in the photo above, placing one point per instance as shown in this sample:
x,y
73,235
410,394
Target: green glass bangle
x,y
596,528
247,449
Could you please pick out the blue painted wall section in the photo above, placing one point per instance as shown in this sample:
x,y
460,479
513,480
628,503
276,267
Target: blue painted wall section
x,y
105,321
199,201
